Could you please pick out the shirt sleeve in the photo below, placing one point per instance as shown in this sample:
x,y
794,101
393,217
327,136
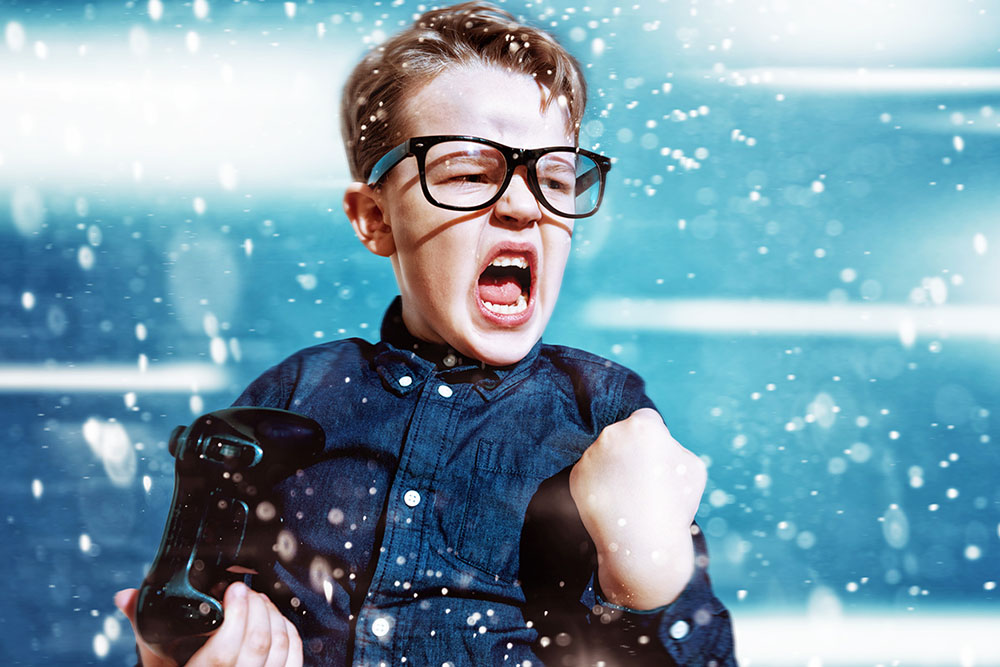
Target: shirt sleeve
x,y
694,629
267,391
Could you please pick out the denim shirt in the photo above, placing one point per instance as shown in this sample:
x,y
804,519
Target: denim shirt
x,y
437,527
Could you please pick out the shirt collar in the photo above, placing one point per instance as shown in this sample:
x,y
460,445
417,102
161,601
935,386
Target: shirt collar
x,y
401,354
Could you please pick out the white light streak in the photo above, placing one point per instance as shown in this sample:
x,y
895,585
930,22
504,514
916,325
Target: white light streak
x,y
110,442
192,41
131,113
96,378
14,36
101,645
876,637
980,244
792,317
201,8
112,628
218,350
895,80
155,8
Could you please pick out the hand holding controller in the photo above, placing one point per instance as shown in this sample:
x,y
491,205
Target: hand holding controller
x,y
224,519
254,633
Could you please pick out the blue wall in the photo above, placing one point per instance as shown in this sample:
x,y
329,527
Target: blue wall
x,y
821,180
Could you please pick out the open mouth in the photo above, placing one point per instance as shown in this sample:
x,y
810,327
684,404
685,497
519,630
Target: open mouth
x,y
504,286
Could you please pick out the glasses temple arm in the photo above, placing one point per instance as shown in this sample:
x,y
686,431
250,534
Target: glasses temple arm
x,y
585,180
387,162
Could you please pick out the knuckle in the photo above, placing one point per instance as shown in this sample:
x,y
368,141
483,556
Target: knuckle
x,y
699,473
611,431
646,418
699,491
279,640
645,413
217,660
258,641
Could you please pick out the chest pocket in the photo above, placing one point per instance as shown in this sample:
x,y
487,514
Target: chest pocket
x,y
504,479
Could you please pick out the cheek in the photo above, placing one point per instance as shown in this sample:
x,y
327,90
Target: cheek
x,y
558,255
444,266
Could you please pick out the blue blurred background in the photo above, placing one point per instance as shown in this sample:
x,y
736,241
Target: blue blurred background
x,y
797,251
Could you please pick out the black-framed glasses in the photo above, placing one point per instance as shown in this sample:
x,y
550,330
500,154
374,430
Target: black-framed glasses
x,y
462,173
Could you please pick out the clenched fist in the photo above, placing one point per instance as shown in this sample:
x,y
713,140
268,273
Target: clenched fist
x,y
637,490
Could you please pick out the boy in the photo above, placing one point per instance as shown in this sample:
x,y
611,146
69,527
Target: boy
x,y
483,498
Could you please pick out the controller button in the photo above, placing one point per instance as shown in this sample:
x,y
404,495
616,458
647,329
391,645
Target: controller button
x,y
411,498
380,627
266,511
229,451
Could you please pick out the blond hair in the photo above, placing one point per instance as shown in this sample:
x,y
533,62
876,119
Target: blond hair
x,y
463,34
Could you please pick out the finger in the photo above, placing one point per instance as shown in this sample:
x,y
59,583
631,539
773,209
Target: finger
x,y
257,637
294,645
223,648
278,654
126,600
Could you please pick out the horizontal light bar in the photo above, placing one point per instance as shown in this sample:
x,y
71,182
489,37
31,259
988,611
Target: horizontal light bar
x,y
793,317
889,638
902,80
97,378
171,119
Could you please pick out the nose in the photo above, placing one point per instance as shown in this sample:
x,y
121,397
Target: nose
x,y
517,207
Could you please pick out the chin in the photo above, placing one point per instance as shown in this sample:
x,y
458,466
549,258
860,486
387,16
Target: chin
x,y
503,351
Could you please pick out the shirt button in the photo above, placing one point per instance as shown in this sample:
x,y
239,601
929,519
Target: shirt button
x,y
380,627
411,498
405,381
450,360
678,630
445,390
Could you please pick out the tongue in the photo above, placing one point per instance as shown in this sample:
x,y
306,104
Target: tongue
x,y
499,289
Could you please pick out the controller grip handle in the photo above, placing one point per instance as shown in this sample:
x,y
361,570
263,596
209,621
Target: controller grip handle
x,y
225,461
176,619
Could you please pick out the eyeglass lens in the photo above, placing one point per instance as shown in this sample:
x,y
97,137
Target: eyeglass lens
x,y
469,174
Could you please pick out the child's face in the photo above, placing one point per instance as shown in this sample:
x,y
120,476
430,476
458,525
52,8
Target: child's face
x,y
441,255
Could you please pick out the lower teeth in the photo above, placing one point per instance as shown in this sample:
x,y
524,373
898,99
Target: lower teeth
x,y
508,309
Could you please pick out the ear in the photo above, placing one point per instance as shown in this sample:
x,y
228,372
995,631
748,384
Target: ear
x,y
363,208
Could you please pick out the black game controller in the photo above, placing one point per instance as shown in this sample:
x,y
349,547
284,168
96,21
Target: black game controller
x,y
224,520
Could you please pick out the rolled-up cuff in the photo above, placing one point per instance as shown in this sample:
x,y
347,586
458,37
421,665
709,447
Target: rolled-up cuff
x,y
694,629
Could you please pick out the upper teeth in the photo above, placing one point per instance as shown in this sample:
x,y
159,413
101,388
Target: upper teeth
x,y
519,262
